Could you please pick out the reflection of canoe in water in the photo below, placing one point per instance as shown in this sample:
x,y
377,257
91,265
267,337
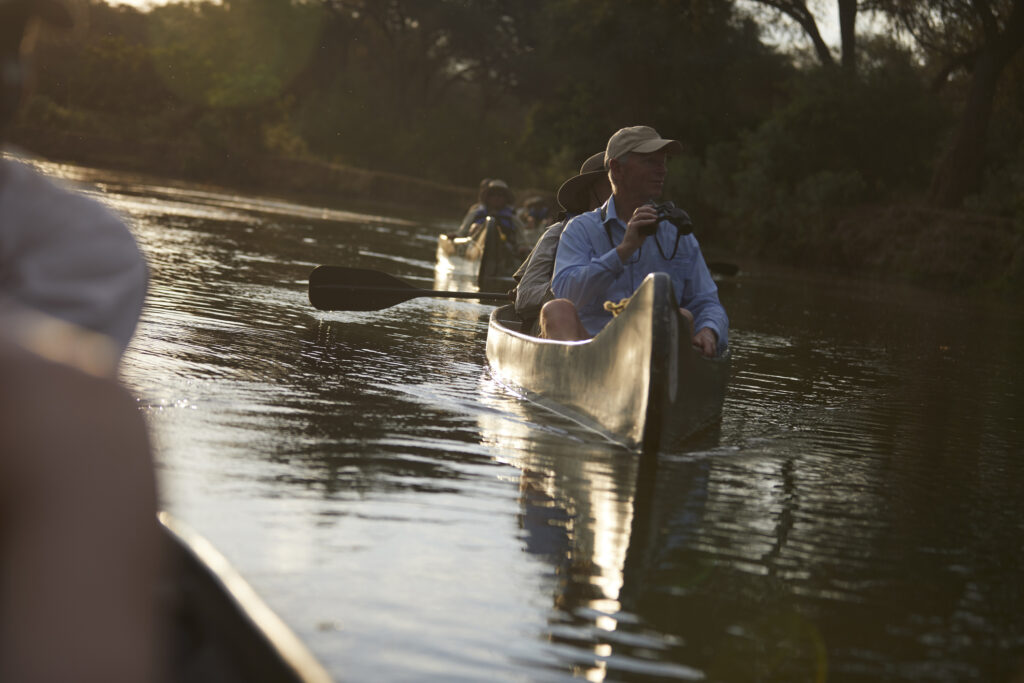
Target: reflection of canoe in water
x,y
490,254
639,381
219,629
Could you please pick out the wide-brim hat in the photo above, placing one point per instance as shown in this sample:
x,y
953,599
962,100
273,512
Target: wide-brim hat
x,y
640,139
52,12
574,194
495,185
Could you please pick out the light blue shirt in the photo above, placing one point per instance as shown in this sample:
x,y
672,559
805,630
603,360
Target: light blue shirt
x,y
588,270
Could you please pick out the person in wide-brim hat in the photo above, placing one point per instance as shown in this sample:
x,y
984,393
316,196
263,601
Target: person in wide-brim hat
x,y
583,192
575,193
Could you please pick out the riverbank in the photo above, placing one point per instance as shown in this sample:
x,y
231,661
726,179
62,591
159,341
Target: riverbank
x,y
949,250
258,174
939,249
942,250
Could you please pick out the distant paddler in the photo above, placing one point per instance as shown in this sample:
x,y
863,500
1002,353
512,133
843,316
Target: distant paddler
x,y
495,200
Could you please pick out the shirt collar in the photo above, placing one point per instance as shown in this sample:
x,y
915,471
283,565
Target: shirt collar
x,y
609,212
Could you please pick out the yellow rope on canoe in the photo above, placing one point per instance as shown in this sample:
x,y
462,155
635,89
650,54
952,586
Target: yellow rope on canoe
x,y
616,308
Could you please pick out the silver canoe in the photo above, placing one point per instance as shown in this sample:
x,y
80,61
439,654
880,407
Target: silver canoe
x,y
488,254
639,382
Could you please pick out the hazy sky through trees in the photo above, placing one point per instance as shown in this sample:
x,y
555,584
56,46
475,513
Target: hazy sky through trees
x,y
824,11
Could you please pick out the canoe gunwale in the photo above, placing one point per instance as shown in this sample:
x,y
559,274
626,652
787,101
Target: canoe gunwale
x,y
236,634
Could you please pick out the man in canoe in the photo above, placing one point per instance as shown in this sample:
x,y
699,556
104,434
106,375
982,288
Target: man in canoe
x,y
604,255
581,193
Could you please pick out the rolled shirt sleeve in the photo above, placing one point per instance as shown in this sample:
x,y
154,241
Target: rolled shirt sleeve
x,y
700,297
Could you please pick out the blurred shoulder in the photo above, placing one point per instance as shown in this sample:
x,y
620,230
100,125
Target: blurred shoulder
x,y
30,195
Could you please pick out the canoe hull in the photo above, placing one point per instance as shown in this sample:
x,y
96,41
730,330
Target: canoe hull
x,y
486,253
467,248
639,381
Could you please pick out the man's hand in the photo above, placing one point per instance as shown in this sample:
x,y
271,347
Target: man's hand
x,y
706,341
644,217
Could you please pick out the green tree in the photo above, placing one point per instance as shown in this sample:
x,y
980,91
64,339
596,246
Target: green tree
x,y
981,37
231,55
694,70
832,145
105,70
415,86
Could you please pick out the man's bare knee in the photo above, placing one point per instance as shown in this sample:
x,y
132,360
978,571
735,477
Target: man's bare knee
x,y
559,320
558,308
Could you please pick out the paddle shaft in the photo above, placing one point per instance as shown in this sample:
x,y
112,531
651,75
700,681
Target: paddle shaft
x,y
336,288
412,294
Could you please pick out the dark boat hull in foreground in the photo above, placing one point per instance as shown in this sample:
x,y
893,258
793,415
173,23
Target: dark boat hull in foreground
x,y
640,381
218,629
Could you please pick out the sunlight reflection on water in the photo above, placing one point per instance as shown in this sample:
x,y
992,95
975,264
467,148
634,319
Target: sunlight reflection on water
x,y
856,510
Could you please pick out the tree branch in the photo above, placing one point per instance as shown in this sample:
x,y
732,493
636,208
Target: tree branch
x,y
797,11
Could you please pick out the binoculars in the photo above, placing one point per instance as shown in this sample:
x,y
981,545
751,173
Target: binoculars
x,y
668,211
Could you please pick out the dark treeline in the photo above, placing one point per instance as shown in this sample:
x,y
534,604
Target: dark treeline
x,y
901,151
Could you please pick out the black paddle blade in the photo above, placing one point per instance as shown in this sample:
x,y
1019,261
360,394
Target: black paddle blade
x,y
336,288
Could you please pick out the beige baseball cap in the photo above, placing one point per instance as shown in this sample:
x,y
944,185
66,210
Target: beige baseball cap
x,y
642,139
572,195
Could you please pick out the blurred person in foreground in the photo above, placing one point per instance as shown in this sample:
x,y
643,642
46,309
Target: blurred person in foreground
x,y
583,192
79,539
604,255
61,253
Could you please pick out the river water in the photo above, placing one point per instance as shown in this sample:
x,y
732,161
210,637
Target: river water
x,y
857,515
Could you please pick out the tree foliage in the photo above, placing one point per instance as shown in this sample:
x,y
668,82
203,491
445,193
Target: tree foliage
x,y
454,90
981,37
